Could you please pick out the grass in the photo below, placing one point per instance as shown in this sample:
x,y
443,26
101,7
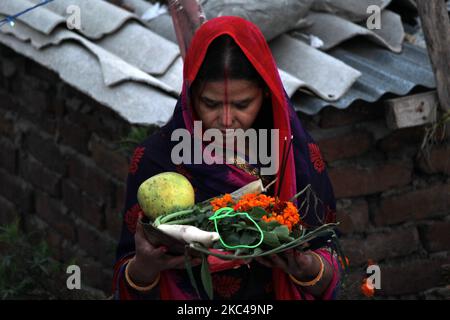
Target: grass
x,y
28,271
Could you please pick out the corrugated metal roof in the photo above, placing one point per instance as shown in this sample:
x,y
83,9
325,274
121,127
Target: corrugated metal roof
x,y
141,84
102,58
382,72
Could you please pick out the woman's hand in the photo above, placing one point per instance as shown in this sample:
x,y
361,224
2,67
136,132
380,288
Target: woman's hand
x,y
303,266
149,261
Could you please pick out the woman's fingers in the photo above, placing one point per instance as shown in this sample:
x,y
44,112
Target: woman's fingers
x,y
179,262
140,240
291,260
278,262
273,261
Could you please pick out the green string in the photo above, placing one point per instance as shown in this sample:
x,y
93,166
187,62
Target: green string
x,y
218,216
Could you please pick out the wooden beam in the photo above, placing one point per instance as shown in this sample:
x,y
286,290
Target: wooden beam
x,y
436,28
411,111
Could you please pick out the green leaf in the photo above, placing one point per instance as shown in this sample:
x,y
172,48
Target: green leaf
x,y
249,238
188,265
206,278
282,232
241,225
257,213
241,251
271,239
231,239
263,225
257,251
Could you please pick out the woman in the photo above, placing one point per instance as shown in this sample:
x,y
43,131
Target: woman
x,y
230,82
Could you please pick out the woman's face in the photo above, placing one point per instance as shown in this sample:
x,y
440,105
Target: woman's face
x,y
232,104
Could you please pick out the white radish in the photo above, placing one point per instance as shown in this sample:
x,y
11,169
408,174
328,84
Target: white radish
x,y
253,187
189,234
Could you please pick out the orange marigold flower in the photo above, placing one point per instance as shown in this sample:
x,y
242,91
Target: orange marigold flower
x,y
370,262
285,213
249,201
367,289
222,202
282,211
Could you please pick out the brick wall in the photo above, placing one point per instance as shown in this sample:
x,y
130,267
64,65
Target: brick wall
x,y
394,209
60,171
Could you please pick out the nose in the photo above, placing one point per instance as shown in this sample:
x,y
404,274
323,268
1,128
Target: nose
x,y
227,116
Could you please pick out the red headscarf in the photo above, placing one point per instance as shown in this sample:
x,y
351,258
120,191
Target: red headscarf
x,y
253,44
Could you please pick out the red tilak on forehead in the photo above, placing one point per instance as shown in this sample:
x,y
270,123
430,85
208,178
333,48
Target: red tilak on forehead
x,y
226,105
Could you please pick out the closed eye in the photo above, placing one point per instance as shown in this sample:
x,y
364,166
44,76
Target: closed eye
x,y
242,104
211,103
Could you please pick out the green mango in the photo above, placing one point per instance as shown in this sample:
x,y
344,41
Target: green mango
x,y
165,193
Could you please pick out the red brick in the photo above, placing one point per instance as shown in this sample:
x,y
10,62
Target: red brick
x,y
341,146
351,285
17,191
400,138
6,125
111,161
8,67
46,151
411,277
71,196
353,216
55,214
120,194
73,103
75,136
54,241
41,72
8,156
89,178
39,176
93,275
7,102
8,212
108,124
101,121
381,246
396,243
438,160
97,244
436,236
114,211
442,293
82,120
32,95
333,117
82,206
354,250
113,222
414,205
353,181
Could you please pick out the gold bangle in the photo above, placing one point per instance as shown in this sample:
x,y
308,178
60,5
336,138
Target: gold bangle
x,y
316,279
139,288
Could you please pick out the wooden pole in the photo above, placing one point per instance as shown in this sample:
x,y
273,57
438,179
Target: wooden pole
x,y
436,28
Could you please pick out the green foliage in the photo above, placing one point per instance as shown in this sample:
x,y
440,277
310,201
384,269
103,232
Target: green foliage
x,y
136,136
435,134
27,269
